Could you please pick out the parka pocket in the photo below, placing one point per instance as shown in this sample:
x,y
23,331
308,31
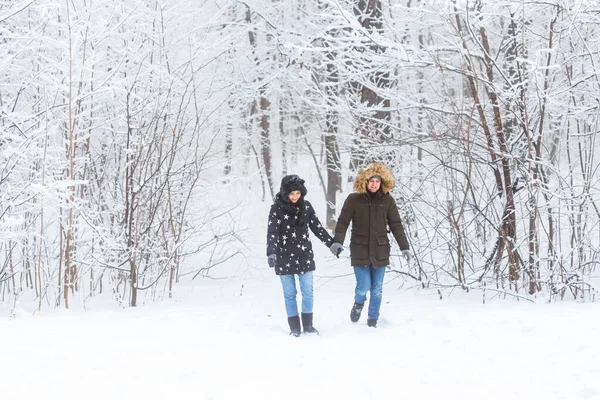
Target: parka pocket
x,y
383,248
359,246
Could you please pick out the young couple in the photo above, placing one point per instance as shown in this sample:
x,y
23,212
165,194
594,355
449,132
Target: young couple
x,y
371,209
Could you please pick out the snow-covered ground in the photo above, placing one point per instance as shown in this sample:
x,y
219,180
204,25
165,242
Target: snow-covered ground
x,y
221,339
228,340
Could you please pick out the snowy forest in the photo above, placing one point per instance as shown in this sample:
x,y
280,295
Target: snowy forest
x,y
122,122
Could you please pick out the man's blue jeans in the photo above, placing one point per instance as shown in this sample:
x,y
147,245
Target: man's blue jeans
x,y
288,282
369,278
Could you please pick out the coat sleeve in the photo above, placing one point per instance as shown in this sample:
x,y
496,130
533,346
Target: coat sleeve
x,y
316,227
273,231
344,219
395,224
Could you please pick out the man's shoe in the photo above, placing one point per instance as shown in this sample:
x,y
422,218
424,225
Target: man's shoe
x,y
356,310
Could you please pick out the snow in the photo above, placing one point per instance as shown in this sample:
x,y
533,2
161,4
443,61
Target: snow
x,y
219,340
226,337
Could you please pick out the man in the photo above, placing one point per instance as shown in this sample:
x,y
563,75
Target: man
x,y
371,209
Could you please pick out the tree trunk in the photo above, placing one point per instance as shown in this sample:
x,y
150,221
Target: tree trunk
x,y
373,129
334,165
264,105
265,141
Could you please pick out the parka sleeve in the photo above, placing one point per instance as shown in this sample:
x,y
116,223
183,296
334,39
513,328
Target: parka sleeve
x,y
316,227
344,219
273,231
395,224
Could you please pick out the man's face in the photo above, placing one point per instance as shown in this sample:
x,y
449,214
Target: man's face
x,y
374,184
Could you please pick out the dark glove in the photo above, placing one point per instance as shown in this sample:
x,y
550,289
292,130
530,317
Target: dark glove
x,y
407,255
272,260
336,249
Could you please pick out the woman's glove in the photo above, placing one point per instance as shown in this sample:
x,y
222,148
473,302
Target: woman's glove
x,y
407,255
272,260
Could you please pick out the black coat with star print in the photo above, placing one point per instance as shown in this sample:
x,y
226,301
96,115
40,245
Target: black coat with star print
x,y
287,236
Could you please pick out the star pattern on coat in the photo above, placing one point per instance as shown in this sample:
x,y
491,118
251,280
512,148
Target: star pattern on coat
x,y
288,236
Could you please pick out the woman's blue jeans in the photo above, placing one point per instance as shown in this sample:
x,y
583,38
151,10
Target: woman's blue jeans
x,y
288,282
369,279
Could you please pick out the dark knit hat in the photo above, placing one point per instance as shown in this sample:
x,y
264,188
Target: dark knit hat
x,y
378,177
290,183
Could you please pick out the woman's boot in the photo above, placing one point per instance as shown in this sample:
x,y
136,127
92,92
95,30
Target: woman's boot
x,y
307,323
294,325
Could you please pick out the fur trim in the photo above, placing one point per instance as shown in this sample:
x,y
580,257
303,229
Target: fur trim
x,y
290,183
387,179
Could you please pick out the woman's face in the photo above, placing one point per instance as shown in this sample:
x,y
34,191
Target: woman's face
x,y
294,196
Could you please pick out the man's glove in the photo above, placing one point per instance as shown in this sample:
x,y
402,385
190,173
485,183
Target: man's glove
x,y
272,260
336,249
407,255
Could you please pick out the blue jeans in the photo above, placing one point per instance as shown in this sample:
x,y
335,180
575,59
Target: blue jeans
x,y
288,282
369,278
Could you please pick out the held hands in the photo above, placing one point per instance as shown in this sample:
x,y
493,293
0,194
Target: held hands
x,y
407,255
272,260
336,249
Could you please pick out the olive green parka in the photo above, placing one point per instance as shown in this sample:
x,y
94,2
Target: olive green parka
x,y
371,215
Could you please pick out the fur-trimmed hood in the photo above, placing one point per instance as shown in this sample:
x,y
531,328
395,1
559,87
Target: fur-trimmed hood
x,y
289,183
387,180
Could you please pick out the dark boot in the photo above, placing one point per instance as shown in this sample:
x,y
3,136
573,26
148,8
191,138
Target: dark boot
x,y
355,312
372,323
294,325
307,323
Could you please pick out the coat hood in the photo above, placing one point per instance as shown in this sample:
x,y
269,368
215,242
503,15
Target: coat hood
x,y
290,183
387,180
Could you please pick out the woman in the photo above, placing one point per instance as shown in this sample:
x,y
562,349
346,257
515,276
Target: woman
x,y
289,250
